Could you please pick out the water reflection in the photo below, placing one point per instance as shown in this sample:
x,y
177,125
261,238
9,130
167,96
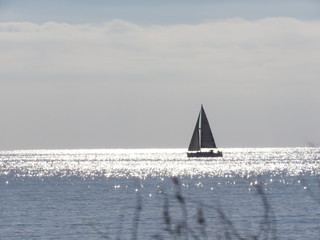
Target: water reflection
x,y
141,163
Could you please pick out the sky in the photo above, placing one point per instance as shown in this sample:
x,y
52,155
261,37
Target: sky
x,y
133,74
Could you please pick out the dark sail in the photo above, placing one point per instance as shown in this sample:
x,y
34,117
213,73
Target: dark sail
x,y
194,144
207,140
202,138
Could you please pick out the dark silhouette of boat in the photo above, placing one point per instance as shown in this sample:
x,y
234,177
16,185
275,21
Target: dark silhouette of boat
x,y
202,138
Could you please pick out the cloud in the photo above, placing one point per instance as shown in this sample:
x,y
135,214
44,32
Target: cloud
x,y
262,76
123,50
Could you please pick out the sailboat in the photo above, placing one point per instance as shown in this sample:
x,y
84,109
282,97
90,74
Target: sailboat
x,y
202,138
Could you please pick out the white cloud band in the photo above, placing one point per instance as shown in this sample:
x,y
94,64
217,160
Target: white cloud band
x,y
119,49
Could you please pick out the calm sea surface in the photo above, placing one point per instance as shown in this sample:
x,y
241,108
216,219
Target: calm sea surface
x,y
267,193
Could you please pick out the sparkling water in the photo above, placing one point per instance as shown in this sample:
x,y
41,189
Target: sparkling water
x,y
267,193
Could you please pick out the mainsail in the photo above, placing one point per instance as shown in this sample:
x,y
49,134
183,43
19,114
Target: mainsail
x,y
202,136
207,140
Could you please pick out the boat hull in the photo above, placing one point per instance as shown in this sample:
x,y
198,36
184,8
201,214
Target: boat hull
x,y
204,154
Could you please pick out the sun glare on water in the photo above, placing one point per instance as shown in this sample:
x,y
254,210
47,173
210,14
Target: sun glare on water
x,y
143,163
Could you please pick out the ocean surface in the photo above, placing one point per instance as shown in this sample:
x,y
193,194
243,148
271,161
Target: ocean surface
x,y
250,193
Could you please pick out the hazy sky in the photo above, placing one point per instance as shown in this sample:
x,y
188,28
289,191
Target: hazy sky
x,y
132,74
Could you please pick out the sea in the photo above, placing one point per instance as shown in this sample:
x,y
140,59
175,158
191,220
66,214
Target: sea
x,y
249,193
